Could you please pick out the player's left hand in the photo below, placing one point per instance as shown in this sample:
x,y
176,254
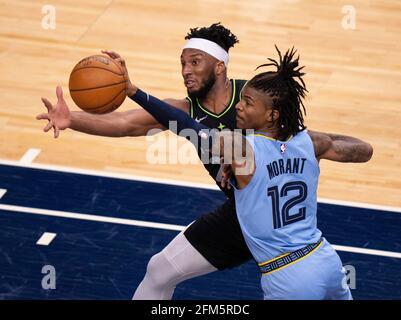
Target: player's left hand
x,y
226,176
131,89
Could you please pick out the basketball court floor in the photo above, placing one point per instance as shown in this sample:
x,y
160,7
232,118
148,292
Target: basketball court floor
x,y
96,210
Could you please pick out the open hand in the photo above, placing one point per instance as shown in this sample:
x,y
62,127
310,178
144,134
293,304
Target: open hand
x,y
58,115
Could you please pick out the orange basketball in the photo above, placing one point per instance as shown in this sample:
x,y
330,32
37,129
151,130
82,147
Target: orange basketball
x,y
98,84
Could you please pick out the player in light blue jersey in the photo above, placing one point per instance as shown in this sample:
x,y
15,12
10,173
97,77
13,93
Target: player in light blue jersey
x,y
276,199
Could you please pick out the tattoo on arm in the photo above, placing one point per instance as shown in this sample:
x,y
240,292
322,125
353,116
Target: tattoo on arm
x,y
349,149
340,148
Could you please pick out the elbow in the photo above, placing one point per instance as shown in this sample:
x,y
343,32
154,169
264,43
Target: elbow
x,y
368,153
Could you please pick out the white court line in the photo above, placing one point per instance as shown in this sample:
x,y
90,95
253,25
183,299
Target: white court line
x,y
2,192
109,174
368,251
180,183
164,226
29,156
46,239
91,217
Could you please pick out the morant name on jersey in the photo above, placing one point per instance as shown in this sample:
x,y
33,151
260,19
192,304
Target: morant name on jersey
x,y
285,166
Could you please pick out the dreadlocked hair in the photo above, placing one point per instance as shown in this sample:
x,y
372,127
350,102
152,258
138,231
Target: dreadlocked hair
x,y
216,33
286,91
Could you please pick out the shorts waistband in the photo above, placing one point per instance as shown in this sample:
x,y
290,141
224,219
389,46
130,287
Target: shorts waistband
x,y
288,258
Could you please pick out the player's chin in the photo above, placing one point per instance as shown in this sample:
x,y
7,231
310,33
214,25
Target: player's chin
x,y
192,90
240,123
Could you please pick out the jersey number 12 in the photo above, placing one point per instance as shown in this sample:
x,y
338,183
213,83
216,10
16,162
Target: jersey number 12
x,y
283,219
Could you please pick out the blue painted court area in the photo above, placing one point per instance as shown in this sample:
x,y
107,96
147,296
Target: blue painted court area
x,y
105,260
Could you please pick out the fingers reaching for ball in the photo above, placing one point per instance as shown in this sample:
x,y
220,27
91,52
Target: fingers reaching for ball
x,y
59,93
43,116
48,126
47,104
112,54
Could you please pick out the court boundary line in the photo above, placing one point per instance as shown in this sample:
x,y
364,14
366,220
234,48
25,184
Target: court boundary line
x,y
180,183
91,217
163,226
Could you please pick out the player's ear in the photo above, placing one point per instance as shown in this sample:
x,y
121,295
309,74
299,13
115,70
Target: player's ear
x,y
275,115
220,67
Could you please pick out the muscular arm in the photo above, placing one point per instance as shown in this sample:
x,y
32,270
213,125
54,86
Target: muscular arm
x,y
116,124
132,123
340,148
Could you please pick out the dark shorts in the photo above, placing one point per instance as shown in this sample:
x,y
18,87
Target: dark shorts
x,y
218,237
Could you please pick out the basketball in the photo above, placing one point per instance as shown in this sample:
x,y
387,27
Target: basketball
x,y
97,84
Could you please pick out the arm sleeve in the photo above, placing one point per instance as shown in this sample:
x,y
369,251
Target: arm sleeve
x,y
164,113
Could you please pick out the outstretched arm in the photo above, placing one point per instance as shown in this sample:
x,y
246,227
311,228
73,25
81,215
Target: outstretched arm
x,y
164,112
340,148
132,123
115,124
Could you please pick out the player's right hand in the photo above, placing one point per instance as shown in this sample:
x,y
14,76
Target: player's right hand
x,y
58,115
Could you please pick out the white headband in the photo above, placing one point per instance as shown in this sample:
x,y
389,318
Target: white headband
x,y
209,47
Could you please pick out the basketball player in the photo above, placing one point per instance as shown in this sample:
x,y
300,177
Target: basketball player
x,y
214,241
276,198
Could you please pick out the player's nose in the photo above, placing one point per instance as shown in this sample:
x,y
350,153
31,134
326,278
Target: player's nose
x,y
186,70
239,106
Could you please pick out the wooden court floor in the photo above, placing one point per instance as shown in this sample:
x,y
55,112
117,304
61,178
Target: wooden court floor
x,y
353,77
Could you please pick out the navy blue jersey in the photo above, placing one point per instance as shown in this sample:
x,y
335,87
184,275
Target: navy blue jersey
x,y
224,120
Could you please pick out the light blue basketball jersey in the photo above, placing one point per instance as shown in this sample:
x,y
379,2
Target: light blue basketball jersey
x,y
277,209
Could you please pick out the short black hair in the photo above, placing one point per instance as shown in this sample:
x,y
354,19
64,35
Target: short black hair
x,y
286,91
216,33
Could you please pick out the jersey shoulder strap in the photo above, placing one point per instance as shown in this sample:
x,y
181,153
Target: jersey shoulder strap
x,y
191,106
239,85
